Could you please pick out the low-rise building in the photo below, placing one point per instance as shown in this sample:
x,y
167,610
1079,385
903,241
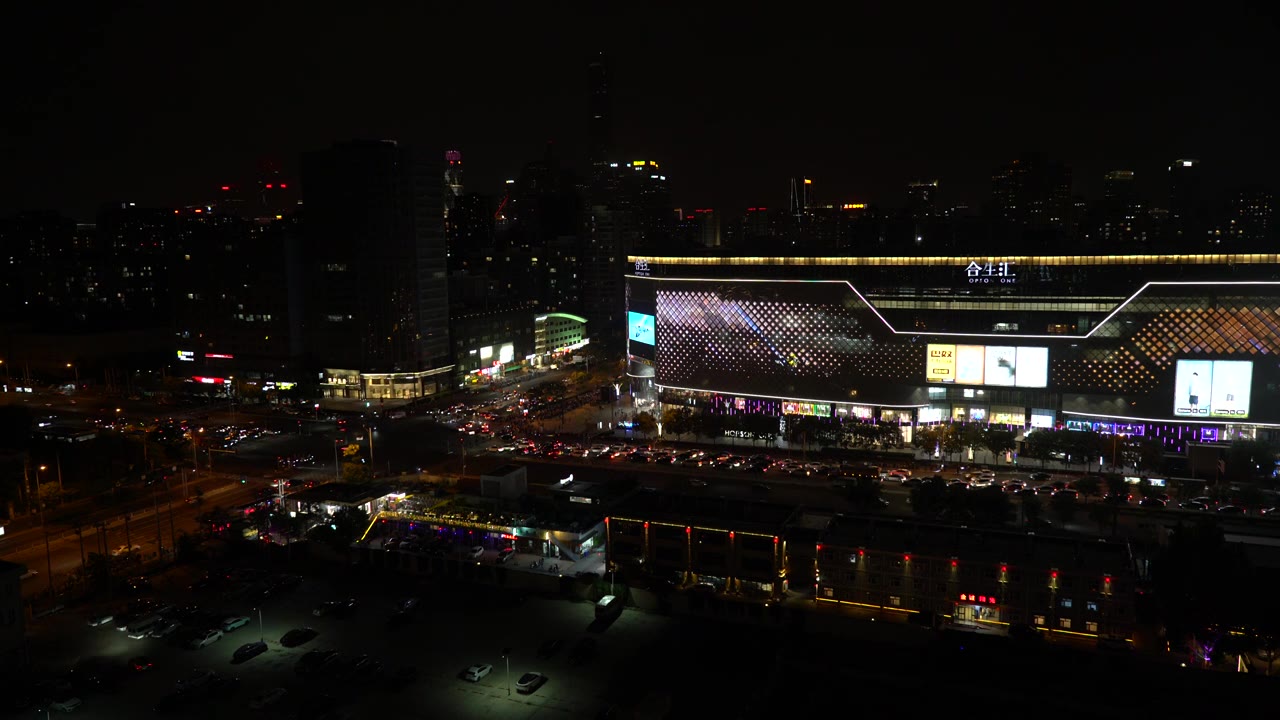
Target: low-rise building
x,y
731,545
988,579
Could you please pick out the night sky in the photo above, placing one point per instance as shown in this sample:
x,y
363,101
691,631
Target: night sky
x,y
158,103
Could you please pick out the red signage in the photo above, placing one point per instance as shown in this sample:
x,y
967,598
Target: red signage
x,y
210,380
220,356
980,599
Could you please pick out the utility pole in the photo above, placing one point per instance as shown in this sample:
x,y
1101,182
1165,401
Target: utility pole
x,y
48,554
58,457
128,540
369,433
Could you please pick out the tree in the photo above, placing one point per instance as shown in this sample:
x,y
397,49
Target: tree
x,y
1063,507
50,494
1117,486
971,435
864,494
1032,508
1089,486
1038,445
952,440
929,497
997,441
646,424
711,425
990,505
345,526
355,472
1105,514
98,569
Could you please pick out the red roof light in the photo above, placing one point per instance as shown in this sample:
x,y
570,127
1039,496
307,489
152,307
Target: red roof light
x,y
226,187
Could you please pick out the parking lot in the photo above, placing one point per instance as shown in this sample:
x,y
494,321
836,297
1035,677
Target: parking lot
x,y
452,629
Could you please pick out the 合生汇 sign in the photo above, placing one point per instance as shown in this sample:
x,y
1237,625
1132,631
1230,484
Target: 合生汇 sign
x,y
991,273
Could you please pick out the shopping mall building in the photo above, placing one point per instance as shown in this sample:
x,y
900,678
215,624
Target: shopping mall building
x,y
1182,347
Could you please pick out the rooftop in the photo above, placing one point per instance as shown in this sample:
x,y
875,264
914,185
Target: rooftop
x,y
718,512
986,544
503,471
349,493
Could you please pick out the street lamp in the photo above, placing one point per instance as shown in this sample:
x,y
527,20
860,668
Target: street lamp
x,y
506,656
76,368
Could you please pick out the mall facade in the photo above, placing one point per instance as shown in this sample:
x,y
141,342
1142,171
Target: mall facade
x,y
1180,347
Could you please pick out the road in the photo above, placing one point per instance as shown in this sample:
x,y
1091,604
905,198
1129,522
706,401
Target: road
x,y
146,528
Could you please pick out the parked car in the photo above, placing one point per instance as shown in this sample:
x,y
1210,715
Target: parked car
x,y
196,679
206,639
1151,502
477,552
65,704
268,698
102,618
248,651
298,636
530,682
234,623
477,672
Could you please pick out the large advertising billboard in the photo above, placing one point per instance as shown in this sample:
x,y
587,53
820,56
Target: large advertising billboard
x,y
969,364
640,327
940,366
1001,365
792,407
1212,388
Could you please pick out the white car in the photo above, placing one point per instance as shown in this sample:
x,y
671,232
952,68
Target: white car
x,y
477,552
125,550
476,673
268,698
105,618
207,639
198,678
65,704
234,623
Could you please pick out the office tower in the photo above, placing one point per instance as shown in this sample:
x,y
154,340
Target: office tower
x,y
1187,211
377,271
1121,214
600,128
1034,192
1251,214
452,180
237,299
922,199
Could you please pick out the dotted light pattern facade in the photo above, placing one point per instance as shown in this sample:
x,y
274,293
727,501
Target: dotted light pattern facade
x,y
755,340
821,341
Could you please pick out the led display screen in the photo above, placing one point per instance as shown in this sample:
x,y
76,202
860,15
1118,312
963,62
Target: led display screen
x,y
641,327
1212,388
806,408
1001,365
1033,367
1041,418
969,364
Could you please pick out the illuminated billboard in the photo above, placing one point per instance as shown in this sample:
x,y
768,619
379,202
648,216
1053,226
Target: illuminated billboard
x,y
969,364
1212,388
806,408
940,366
640,328
1001,365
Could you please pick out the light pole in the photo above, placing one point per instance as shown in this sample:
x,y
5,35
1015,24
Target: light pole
x,y
369,434
262,634
506,656
76,369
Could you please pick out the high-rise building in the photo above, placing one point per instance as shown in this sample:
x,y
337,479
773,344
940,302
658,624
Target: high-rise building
x,y
1188,219
377,306
922,199
600,129
1033,192
238,302
1121,214
1251,214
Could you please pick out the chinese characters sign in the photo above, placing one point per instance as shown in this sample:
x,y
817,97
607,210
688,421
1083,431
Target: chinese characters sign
x,y
991,273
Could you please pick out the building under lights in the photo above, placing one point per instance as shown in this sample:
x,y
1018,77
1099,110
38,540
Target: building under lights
x,y
1171,346
982,580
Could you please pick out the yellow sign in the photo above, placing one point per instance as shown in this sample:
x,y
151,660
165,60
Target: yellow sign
x,y
941,364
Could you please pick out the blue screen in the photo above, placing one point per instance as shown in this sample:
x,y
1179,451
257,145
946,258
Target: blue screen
x,y
640,327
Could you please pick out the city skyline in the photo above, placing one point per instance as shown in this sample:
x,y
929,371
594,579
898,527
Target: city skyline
x,y
731,116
